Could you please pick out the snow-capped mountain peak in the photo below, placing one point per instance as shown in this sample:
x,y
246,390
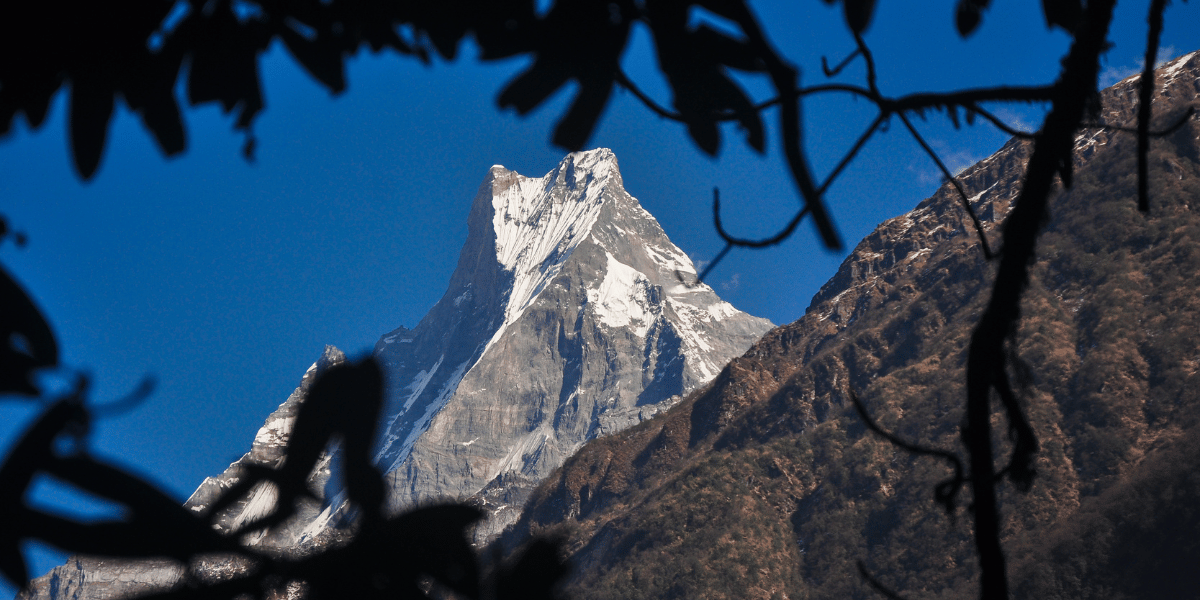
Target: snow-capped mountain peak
x,y
564,320
539,222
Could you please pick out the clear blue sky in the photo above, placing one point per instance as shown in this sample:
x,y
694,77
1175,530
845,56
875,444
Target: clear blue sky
x,y
225,280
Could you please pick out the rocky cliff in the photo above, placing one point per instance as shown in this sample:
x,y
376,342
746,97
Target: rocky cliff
x,y
566,319
101,579
767,484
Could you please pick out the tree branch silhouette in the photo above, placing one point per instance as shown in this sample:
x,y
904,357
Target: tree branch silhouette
x,y
1051,155
946,492
140,53
389,556
962,194
1145,94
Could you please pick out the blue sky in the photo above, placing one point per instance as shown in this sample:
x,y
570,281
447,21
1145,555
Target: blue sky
x,y
224,280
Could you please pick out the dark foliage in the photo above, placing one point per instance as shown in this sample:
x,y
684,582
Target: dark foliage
x,y
136,52
400,556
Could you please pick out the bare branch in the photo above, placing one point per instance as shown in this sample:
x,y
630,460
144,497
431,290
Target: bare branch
x,y
1051,155
1019,470
875,583
966,202
708,268
947,491
1172,128
842,65
1145,93
870,60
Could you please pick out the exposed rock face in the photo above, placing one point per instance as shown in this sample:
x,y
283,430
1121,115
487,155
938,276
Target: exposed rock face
x,y
95,579
92,579
766,484
565,320
269,450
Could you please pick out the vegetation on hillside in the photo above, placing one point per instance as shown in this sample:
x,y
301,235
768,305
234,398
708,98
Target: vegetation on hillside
x,y
137,52
1106,363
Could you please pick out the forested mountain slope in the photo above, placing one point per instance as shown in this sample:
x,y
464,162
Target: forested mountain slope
x,y
767,484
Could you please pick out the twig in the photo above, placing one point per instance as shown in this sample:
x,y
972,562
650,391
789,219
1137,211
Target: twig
x,y
784,77
1051,154
842,65
946,492
1001,125
870,60
1172,128
1019,469
876,585
858,145
1145,94
624,81
983,242
709,267
748,243
131,400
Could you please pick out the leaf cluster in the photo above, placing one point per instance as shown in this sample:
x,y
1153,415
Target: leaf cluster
x,y
410,555
137,52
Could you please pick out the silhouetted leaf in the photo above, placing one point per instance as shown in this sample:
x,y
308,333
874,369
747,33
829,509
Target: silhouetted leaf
x,y
160,115
26,341
574,129
12,564
321,58
156,524
1062,13
35,95
392,559
535,85
858,14
91,109
345,402
434,541
535,574
224,65
968,14
8,112
716,47
27,456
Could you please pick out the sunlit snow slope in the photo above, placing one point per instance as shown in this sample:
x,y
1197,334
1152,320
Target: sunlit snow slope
x,y
565,319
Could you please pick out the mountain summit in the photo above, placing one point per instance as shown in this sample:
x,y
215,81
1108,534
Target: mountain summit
x,y
565,319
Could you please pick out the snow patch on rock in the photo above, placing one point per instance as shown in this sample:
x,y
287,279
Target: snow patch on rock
x,y
622,298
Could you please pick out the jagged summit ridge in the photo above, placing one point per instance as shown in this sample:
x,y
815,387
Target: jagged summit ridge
x,y
565,319
539,222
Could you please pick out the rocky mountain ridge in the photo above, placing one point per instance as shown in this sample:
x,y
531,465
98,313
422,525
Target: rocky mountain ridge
x,y
566,319
766,484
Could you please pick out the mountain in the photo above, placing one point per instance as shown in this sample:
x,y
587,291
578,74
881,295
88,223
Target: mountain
x,y
569,316
566,318
96,579
767,484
